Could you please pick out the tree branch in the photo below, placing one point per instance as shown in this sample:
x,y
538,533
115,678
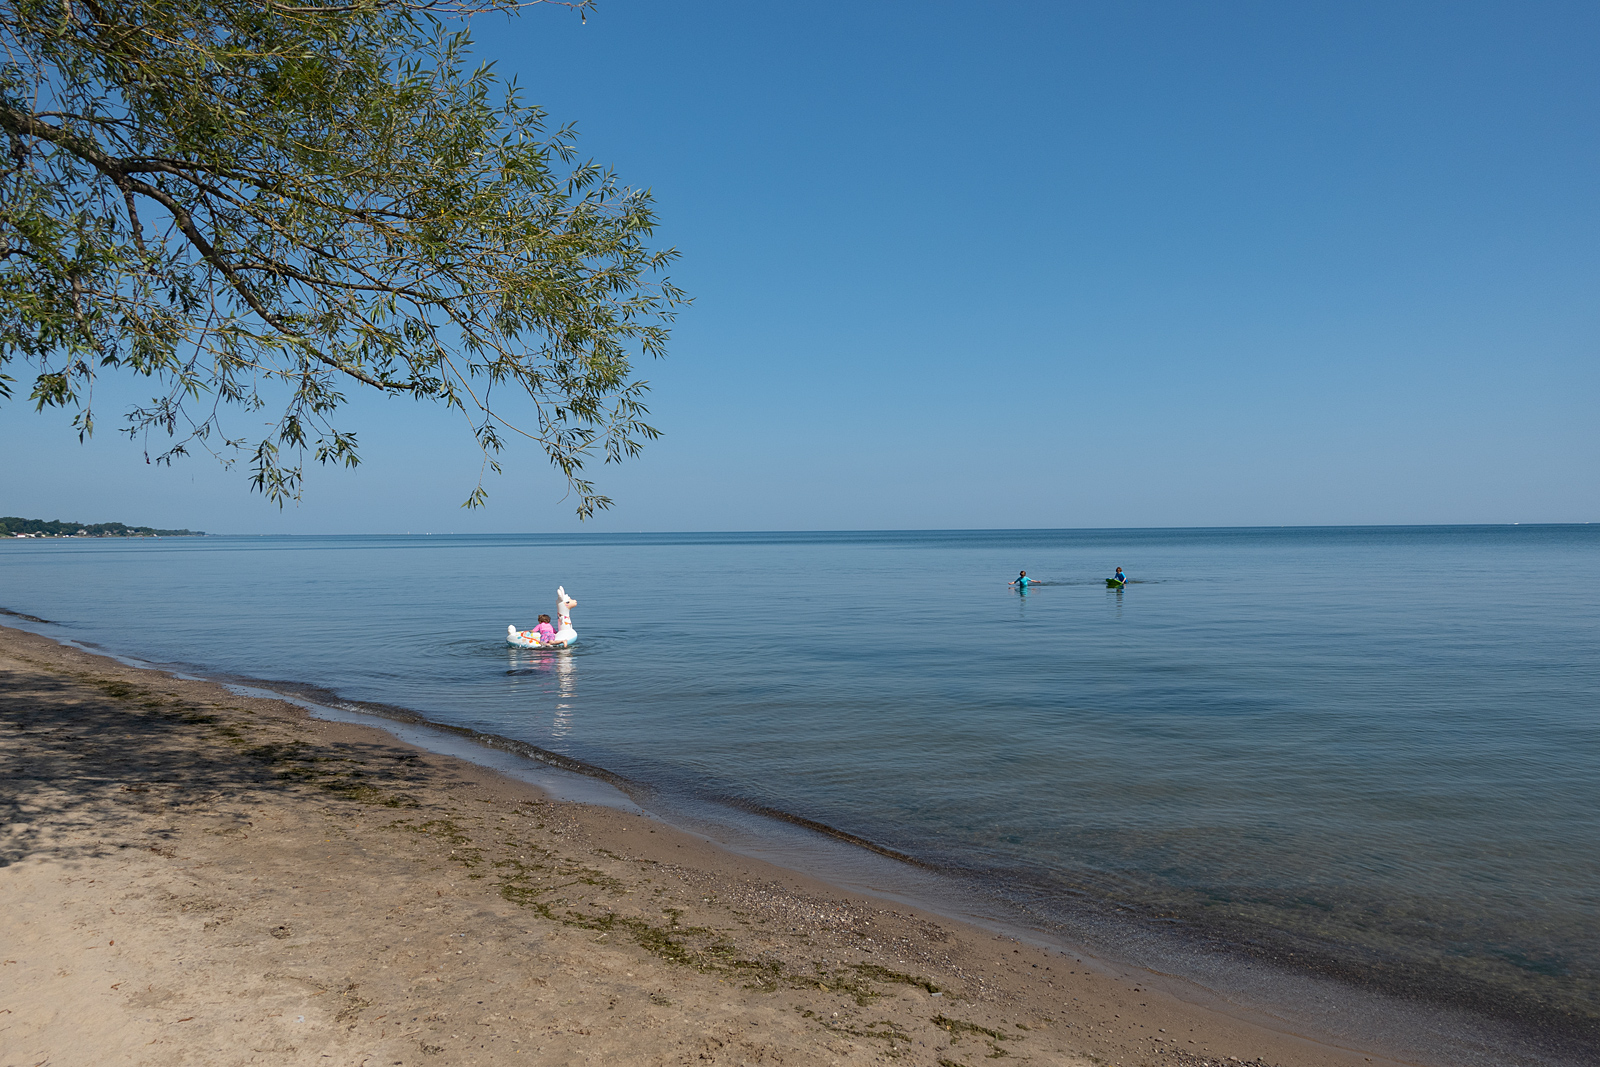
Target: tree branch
x,y
112,168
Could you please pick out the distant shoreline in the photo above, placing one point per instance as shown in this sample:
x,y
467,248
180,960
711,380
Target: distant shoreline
x,y
15,526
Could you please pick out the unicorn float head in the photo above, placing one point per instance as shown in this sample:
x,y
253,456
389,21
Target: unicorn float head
x,y
564,636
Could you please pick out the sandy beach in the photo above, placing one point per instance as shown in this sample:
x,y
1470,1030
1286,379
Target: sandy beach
x,y
193,877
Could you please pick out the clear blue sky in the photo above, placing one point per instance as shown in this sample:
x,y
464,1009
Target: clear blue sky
x,y
1040,265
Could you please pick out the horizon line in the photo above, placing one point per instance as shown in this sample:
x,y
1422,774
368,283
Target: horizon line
x,y
911,530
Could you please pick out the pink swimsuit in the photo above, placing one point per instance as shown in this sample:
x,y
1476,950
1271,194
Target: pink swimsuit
x,y
545,631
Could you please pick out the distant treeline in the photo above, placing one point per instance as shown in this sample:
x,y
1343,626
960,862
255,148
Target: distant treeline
x,y
11,526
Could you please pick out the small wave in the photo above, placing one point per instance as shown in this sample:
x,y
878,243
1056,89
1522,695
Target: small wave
x,y
25,615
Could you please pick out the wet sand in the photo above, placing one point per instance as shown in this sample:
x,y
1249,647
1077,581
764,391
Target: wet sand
x,y
192,877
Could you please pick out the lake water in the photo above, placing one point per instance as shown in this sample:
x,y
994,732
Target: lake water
x,y
1368,753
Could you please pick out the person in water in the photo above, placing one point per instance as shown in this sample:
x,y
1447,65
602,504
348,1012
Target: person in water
x,y
1022,581
544,633
1120,576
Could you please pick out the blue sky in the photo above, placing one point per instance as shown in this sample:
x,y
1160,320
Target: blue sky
x,y
1039,265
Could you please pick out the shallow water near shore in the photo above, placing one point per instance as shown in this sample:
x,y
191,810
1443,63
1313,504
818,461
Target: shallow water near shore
x,y
1365,753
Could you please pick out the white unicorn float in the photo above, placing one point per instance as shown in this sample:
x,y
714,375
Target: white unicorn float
x,y
564,637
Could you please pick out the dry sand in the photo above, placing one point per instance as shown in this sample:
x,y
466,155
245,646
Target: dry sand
x,y
192,877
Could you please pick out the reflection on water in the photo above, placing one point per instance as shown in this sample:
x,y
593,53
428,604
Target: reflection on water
x,y
554,672
566,691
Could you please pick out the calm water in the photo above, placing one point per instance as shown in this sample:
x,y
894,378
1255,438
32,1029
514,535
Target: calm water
x,y
1377,749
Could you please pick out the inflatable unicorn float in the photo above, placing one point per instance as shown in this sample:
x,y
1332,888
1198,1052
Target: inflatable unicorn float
x,y
564,637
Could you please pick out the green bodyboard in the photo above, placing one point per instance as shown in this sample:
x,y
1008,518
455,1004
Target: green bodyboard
x,y
1112,583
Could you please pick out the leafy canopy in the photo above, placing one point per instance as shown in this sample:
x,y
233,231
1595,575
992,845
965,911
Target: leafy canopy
x,y
265,205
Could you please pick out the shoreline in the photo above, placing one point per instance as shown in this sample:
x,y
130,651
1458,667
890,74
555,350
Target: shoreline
x,y
157,827
1241,978
1342,1001
1226,1032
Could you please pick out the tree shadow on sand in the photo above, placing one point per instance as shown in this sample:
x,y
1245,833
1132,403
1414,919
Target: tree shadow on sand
x,y
91,765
